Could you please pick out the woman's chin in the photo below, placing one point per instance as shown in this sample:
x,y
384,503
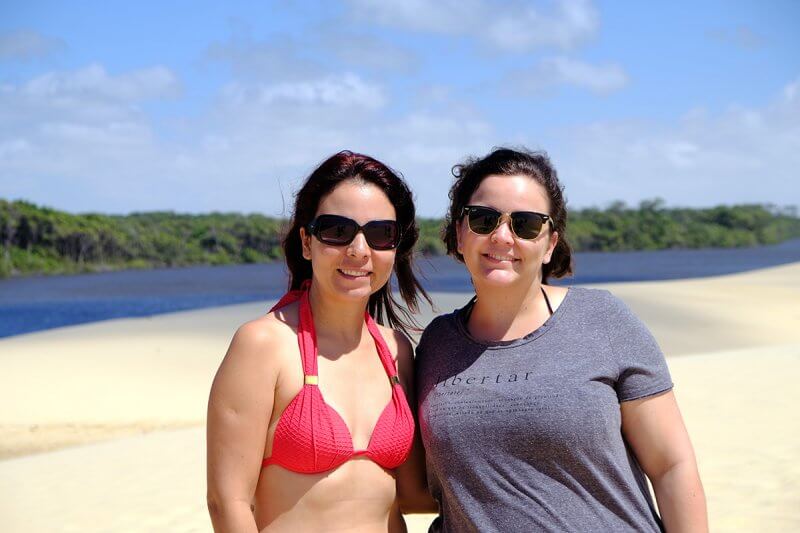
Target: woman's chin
x,y
354,293
356,289
496,278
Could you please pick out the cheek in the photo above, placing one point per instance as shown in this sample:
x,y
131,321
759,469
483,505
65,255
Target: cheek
x,y
382,265
384,260
321,253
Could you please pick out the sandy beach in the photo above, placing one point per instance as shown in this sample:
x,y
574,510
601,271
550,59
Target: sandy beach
x,y
101,425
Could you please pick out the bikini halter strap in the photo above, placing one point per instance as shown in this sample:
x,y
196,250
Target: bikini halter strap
x,y
307,336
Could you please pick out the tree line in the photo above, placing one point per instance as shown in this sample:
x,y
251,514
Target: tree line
x,y
40,240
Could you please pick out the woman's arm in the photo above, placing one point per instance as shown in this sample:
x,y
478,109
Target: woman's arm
x,y
239,410
412,485
654,428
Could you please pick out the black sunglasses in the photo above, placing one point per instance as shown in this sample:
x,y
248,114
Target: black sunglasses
x,y
525,224
339,231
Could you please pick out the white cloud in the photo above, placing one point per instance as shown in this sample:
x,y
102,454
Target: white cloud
x,y
555,71
94,82
736,156
512,26
248,152
78,125
791,92
80,134
83,143
443,16
344,90
71,101
114,135
27,44
528,28
327,50
368,52
12,147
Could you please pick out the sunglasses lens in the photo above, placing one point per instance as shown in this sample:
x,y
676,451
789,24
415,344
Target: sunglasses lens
x,y
338,231
335,230
483,220
382,234
526,225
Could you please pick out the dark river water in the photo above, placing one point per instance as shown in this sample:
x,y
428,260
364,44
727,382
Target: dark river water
x,y
43,302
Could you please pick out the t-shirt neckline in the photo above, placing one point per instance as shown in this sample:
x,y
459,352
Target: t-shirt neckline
x,y
458,316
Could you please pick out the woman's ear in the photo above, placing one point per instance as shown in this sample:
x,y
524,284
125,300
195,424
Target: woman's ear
x,y
305,240
550,247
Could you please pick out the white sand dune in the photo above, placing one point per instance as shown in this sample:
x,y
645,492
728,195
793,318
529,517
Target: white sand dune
x,y
129,381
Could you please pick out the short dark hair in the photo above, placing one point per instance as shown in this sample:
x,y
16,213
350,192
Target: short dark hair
x,y
509,162
337,169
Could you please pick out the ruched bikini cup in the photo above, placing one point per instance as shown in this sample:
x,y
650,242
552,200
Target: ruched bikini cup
x,y
311,437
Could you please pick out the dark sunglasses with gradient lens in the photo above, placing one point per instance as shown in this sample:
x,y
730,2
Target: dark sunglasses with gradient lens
x,y
340,231
525,224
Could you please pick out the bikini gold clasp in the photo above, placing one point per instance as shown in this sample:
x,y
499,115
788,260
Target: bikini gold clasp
x,y
311,380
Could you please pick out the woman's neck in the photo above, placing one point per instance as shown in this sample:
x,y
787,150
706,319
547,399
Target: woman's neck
x,y
508,313
338,320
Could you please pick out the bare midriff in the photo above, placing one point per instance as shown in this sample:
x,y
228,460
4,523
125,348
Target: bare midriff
x,y
358,496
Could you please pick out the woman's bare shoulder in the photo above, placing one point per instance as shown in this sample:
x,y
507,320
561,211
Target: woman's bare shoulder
x,y
397,341
263,341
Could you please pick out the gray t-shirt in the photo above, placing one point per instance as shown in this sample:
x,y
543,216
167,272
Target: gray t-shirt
x,y
525,435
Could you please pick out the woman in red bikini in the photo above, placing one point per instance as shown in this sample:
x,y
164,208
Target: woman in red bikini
x,y
309,426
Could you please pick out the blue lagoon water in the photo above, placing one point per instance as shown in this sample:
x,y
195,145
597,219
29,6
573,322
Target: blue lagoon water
x,y
43,302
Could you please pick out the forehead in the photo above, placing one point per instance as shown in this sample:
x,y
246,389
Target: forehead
x,y
359,200
511,193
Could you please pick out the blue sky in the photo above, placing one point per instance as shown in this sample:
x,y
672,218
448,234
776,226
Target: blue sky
x,y
199,106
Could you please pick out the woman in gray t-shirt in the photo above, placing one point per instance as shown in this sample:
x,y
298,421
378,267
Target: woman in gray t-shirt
x,y
543,408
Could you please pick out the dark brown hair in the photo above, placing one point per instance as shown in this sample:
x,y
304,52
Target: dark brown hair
x,y
508,162
339,168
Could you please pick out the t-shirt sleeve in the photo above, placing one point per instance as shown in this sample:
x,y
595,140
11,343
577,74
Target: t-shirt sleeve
x,y
643,370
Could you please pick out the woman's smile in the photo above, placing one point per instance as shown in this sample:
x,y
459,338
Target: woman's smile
x,y
499,258
350,273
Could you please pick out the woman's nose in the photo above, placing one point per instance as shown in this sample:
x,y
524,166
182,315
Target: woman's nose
x,y
503,232
358,247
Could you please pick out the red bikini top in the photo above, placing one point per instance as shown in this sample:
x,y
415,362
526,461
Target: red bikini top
x,y
311,436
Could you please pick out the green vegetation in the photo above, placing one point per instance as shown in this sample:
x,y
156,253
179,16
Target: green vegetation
x,y
652,226
41,240
38,240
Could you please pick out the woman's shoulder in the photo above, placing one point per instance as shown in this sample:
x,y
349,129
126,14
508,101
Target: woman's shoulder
x,y
398,343
442,325
274,324
604,306
444,319
589,297
255,359
263,340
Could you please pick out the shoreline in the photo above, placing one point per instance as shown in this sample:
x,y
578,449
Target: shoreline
x,y
76,269
37,304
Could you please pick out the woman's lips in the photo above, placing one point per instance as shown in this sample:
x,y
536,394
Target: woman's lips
x,y
498,258
351,273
